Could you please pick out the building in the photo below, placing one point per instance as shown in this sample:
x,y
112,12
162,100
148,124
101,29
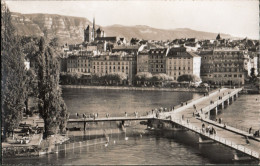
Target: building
x,y
225,66
115,63
90,34
78,64
143,61
157,60
63,64
129,49
179,61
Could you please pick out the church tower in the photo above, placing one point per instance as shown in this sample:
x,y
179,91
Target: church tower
x,y
93,30
87,34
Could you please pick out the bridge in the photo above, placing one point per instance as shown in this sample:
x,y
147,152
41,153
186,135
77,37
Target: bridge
x,y
226,135
192,115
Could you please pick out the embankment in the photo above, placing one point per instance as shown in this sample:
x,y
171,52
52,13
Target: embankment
x,y
195,90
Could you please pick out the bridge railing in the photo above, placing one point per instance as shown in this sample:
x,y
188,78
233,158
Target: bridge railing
x,y
183,103
215,103
218,139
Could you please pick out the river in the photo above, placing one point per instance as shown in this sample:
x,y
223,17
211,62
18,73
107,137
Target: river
x,y
164,148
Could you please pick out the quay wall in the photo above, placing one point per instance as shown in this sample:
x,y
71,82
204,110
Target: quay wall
x,y
195,90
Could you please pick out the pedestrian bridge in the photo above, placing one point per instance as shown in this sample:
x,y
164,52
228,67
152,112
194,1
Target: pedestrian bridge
x,y
226,135
192,114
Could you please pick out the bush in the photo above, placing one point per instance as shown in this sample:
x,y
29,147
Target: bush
x,y
188,78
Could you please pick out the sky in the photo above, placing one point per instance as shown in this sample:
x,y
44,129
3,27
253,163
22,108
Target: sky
x,y
239,18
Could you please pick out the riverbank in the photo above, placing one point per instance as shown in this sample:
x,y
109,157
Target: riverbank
x,y
195,90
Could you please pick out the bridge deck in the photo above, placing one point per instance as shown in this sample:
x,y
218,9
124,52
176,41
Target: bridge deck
x,y
110,119
229,137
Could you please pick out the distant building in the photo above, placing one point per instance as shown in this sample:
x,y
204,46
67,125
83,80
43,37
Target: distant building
x,y
78,64
179,62
129,49
143,61
115,63
63,64
157,60
225,66
90,34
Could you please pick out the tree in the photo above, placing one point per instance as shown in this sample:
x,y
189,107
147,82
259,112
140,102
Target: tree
x,y
188,78
51,105
253,77
143,76
13,74
252,72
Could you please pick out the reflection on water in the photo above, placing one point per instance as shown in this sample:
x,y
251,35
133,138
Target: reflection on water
x,y
117,102
143,147
244,112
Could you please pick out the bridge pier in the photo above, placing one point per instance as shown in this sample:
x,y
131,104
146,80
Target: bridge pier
x,y
85,124
204,141
227,102
222,105
216,110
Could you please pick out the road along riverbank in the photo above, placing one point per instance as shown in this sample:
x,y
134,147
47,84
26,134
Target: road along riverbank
x,y
195,90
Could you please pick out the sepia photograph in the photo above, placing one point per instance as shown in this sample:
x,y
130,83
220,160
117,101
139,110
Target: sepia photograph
x,y
130,82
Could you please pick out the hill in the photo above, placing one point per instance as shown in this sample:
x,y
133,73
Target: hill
x,y
71,29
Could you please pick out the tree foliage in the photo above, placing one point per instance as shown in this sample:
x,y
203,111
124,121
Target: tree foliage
x,y
143,76
13,74
162,77
51,105
188,78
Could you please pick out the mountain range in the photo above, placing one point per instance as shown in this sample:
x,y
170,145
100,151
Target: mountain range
x,y
71,29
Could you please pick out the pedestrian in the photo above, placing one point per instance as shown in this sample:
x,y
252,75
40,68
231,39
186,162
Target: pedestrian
x,y
247,141
125,114
250,130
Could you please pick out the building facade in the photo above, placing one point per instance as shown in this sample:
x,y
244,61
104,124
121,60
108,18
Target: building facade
x,y
115,63
78,64
225,66
179,62
143,61
90,34
157,60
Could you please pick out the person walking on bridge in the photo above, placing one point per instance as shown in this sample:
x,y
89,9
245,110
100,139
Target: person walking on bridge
x,y
250,130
